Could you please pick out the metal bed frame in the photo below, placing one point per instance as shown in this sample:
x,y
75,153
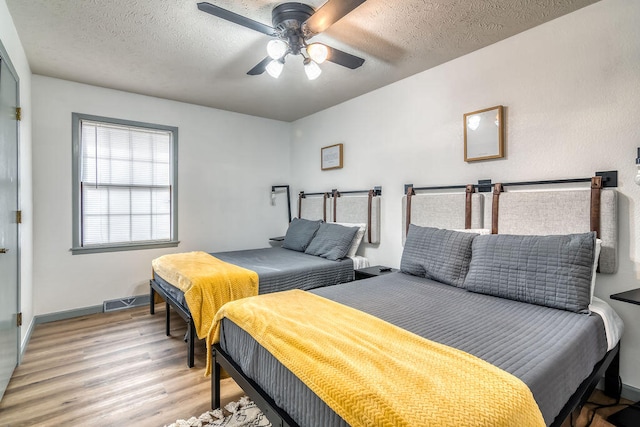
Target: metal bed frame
x,y
170,301
609,366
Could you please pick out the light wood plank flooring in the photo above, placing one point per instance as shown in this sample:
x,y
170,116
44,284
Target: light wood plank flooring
x,y
120,368
109,369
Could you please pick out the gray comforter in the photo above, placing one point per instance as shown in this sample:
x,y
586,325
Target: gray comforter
x,y
280,269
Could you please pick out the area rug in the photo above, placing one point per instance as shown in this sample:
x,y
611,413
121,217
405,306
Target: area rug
x,y
243,413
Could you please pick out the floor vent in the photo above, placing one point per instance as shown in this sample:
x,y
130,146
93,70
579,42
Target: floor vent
x,y
122,303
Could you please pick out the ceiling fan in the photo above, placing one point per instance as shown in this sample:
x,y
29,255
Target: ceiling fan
x,y
293,25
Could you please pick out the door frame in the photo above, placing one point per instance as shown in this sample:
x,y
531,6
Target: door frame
x,y
4,55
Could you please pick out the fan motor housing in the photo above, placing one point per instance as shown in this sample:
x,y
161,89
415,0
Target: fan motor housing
x,y
290,15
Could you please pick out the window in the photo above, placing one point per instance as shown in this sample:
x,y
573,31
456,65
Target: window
x,y
124,185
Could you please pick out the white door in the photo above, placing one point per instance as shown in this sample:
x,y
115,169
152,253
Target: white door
x,y
9,331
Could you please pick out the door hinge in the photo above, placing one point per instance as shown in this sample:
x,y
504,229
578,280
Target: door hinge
x,y
18,217
18,113
19,319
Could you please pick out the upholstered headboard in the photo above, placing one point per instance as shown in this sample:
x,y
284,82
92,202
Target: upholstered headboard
x,y
361,207
314,206
511,209
442,210
558,212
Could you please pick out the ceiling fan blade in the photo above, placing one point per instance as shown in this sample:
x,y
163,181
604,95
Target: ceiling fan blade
x,y
343,58
328,14
236,19
260,68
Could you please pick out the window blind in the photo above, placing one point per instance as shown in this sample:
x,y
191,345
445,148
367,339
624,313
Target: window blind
x,y
125,184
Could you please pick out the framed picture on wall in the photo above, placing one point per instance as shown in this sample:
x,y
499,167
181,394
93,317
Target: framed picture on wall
x,y
484,134
331,157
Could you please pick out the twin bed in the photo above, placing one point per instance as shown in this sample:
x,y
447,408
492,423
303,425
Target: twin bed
x,y
297,264
507,278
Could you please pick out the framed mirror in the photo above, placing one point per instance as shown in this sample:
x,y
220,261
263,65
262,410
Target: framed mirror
x,y
484,134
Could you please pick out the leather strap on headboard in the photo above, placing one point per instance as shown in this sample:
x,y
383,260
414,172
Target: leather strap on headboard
x,y
497,189
409,194
596,186
300,195
469,190
369,207
336,194
325,196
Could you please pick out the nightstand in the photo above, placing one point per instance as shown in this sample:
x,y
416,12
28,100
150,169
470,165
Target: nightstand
x,y
632,296
376,270
629,416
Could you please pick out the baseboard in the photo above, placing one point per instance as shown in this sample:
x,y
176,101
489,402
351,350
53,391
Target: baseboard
x,y
631,393
127,302
67,314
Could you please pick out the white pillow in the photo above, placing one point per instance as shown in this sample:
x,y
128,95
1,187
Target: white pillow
x,y
355,243
482,231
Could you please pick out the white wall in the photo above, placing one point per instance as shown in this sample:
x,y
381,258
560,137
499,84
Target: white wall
x,y
227,164
571,89
11,42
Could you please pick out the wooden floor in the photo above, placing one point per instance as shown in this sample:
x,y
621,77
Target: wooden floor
x,y
109,369
120,368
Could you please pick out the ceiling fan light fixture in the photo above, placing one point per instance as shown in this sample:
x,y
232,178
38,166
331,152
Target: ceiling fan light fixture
x,y
277,49
274,68
312,69
318,52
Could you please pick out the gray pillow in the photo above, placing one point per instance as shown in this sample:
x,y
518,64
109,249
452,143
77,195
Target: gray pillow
x,y
437,254
332,241
300,233
554,271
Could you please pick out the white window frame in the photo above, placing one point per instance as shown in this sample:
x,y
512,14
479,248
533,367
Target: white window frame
x,y
78,246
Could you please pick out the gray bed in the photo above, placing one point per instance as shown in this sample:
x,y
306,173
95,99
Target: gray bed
x,y
278,269
313,254
552,358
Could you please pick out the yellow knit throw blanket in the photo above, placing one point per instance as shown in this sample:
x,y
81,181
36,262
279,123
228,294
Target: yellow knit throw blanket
x,y
373,373
207,282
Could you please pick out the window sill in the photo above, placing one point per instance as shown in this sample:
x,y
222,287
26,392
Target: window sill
x,y
124,247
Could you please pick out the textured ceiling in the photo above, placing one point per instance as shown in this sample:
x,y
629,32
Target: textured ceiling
x,y
170,49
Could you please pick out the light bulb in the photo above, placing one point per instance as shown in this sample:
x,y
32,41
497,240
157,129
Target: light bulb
x,y
274,68
318,52
277,49
312,69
